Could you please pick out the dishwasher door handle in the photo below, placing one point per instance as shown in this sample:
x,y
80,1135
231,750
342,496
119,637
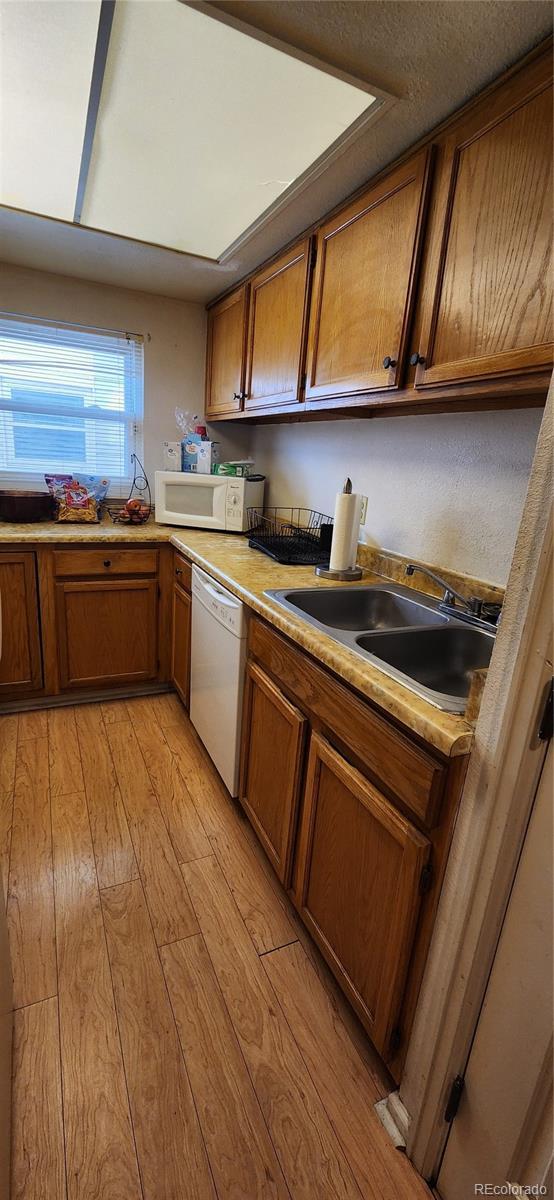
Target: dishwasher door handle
x,y
221,597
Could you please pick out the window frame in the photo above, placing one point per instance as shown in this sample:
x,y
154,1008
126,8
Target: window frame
x,y
81,338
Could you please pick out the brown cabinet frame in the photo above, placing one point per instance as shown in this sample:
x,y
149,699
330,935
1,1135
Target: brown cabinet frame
x,y
525,377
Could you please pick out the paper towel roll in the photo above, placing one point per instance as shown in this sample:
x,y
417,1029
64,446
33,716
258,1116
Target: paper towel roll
x,y
345,531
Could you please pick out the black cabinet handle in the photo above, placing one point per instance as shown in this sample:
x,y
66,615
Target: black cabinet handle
x,y
178,571
416,359
388,362
239,395
107,562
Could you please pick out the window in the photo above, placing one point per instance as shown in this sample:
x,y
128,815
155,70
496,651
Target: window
x,y
71,400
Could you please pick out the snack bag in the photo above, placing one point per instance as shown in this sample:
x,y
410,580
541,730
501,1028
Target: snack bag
x,y
78,500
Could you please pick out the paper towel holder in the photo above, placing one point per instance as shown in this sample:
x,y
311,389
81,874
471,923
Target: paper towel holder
x,y
350,574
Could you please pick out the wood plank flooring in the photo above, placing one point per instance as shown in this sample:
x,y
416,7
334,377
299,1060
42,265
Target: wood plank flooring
x,y
177,1034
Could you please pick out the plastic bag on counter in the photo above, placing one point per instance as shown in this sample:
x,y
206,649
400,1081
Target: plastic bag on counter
x,y
78,500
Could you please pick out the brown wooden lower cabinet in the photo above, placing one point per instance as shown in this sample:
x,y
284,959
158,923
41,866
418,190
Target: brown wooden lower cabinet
x,y
107,631
21,660
360,865
356,817
180,654
271,767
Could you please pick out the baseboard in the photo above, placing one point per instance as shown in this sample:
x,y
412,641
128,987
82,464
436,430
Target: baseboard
x,y
395,1119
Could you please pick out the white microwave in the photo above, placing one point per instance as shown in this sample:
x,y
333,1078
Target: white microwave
x,y
206,501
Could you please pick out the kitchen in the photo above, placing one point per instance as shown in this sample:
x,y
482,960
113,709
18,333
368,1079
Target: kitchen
x,y
276,630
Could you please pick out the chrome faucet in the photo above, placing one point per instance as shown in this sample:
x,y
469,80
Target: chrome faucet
x,y
474,609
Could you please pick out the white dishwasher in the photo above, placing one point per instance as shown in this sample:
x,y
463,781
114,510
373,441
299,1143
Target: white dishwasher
x,y
217,664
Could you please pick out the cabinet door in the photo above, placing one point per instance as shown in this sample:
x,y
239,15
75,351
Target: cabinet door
x,y
226,354
487,306
20,660
180,658
107,631
272,751
363,288
277,326
359,871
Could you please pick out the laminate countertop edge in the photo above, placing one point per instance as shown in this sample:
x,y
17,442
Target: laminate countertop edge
x,y
448,733
248,574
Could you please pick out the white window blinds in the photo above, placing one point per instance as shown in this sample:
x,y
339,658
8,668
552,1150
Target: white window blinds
x,y
71,400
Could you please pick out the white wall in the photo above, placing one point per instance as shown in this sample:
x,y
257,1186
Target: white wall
x,y
447,488
174,334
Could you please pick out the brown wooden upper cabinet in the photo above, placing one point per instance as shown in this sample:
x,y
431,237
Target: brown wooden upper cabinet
x,y
486,306
21,660
277,329
363,286
227,326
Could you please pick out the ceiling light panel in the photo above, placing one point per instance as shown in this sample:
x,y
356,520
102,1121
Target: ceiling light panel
x,y
202,127
46,57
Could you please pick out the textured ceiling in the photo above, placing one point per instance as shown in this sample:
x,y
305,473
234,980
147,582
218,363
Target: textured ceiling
x,y
430,54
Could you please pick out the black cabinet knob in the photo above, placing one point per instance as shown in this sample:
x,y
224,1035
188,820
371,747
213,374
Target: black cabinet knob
x,y
237,395
388,362
107,562
416,359
178,571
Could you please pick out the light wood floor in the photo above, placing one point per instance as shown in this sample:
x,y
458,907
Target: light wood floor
x,y
176,1033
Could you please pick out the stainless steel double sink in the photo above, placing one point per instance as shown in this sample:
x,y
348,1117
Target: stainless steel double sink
x,y
401,631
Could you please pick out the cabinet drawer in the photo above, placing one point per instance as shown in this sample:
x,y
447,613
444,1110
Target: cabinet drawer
x,y
396,763
182,572
106,561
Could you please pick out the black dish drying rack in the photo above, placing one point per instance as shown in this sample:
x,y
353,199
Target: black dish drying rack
x,y
296,536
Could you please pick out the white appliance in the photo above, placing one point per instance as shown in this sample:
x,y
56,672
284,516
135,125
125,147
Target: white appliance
x,y
217,665
206,501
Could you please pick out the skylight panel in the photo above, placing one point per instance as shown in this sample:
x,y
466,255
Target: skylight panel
x,y
46,58
201,127
196,131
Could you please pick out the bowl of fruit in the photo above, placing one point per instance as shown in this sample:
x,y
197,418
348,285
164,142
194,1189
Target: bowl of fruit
x,y
133,512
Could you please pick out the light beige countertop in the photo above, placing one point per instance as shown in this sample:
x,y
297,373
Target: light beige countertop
x,y
45,532
248,574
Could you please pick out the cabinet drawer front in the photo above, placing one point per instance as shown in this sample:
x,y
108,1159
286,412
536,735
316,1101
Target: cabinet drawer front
x,y
271,767
182,572
108,561
401,767
360,866
107,631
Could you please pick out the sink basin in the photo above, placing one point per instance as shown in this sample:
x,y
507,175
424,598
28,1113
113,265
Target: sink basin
x,y
361,608
441,659
402,632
